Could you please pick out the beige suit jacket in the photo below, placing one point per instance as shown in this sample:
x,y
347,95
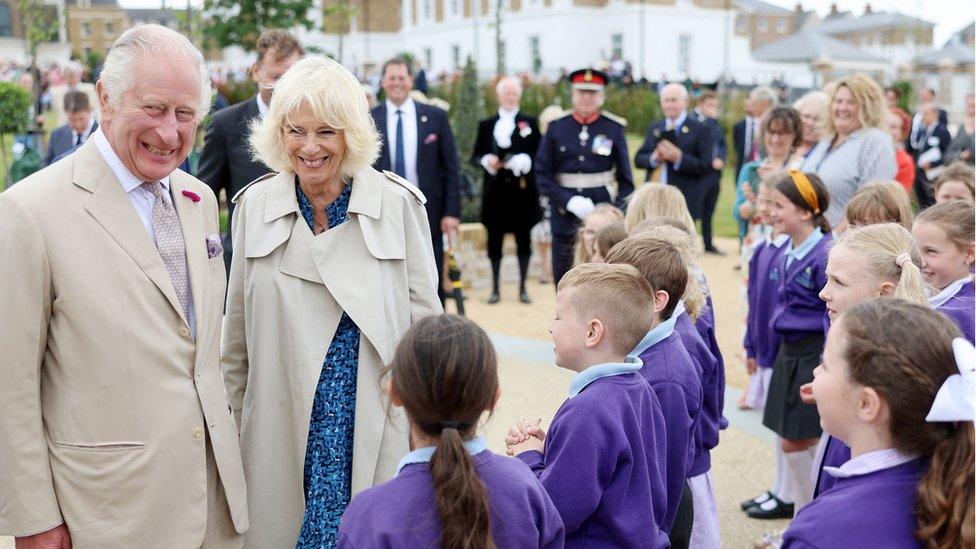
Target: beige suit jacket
x,y
107,401
288,290
57,102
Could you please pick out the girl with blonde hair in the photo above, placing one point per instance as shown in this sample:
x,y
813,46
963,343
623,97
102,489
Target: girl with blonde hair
x,y
658,200
602,216
879,202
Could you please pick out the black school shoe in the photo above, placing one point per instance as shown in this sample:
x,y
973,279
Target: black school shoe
x,y
763,497
773,508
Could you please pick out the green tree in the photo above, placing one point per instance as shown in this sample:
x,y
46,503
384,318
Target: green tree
x,y
335,20
240,22
15,107
466,113
40,22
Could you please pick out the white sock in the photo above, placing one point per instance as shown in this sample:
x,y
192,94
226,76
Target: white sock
x,y
800,465
782,483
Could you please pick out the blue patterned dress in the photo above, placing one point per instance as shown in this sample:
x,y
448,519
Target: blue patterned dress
x,y
328,457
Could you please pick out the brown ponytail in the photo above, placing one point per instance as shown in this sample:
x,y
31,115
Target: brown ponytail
x,y
908,377
445,372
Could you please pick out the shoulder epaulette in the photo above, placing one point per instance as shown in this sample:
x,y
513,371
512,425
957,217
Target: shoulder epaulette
x,y
618,119
417,193
239,193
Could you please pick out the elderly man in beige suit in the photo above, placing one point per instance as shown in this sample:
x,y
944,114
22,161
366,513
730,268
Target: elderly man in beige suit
x,y
116,430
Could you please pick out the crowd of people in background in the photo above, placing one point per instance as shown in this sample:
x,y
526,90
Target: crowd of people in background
x,y
252,403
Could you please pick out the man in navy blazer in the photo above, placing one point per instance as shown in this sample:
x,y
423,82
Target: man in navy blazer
x,y
65,139
933,135
418,145
707,113
681,145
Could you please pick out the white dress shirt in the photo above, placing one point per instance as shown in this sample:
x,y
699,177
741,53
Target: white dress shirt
x,y
409,114
87,133
142,200
262,106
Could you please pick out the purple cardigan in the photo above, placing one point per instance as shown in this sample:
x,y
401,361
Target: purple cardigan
x,y
958,306
872,511
603,464
761,342
677,383
713,396
401,512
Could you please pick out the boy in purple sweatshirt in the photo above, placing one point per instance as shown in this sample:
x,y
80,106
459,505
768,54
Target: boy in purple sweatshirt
x,y
668,367
603,459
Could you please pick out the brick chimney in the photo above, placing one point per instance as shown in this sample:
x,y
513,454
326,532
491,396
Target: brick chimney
x,y
867,9
833,8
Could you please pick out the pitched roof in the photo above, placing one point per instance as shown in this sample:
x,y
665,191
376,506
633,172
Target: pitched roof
x,y
760,7
871,21
807,46
954,50
152,15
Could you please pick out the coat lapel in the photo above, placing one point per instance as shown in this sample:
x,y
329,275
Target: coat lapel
x,y
423,122
280,211
195,242
112,209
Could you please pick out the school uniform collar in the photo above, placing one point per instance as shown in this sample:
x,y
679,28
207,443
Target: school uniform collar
x,y
660,332
870,462
779,241
948,292
474,447
593,373
798,253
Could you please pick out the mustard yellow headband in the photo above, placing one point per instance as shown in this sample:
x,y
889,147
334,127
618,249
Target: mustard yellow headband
x,y
806,190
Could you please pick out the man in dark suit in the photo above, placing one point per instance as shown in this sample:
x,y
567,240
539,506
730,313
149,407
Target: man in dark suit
x,y
681,145
928,148
745,133
65,139
225,162
707,113
418,145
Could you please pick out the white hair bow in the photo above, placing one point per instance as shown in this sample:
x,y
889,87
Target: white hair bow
x,y
956,399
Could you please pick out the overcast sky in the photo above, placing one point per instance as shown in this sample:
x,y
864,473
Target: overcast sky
x,y
948,15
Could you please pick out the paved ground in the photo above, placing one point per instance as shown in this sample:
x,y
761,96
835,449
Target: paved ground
x,y
532,386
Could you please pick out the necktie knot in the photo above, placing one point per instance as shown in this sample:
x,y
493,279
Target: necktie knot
x,y
156,188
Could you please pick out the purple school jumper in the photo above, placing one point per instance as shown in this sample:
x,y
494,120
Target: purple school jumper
x,y
706,329
673,376
799,311
873,509
712,391
603,460
836,454
402,513
761,342
956,301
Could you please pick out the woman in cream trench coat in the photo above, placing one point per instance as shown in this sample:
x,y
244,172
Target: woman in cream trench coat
x,y
286,295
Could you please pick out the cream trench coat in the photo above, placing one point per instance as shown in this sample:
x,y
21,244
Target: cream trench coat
x,y
287,292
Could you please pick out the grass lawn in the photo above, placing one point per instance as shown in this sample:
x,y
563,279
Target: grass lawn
x,y
722,222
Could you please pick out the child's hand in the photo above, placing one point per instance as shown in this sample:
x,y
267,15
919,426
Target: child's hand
x,y
531,443
806,393
522,431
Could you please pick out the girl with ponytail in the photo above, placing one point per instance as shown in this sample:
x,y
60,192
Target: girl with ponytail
x,y
893,388
866,263
451,491
798,202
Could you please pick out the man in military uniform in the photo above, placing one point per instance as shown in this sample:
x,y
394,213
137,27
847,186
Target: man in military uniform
x,y
582,161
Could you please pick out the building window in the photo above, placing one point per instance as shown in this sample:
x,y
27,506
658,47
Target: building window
x,y
536,52
456,56
86,51
428,58
781,26
428,9
455,7
109,28
86,29
6,20
740,24
617,45
684,54
763,24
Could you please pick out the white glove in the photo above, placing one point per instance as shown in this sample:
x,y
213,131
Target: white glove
x,y
580,206
486,162
520,164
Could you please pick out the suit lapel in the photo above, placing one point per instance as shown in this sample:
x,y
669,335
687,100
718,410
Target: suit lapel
x,y
422,122
194,240
112,209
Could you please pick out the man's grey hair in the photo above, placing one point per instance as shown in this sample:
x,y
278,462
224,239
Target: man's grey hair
x,y
678,87
508,80
72,67
160,42
764,94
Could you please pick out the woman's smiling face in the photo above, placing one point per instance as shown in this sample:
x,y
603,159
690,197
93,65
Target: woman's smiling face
x,y
316,150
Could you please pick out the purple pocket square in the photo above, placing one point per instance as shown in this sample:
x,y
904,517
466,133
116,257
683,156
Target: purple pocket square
x,y
213,246
430,138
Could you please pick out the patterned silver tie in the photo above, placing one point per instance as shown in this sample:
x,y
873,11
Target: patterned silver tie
x,y
169,242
